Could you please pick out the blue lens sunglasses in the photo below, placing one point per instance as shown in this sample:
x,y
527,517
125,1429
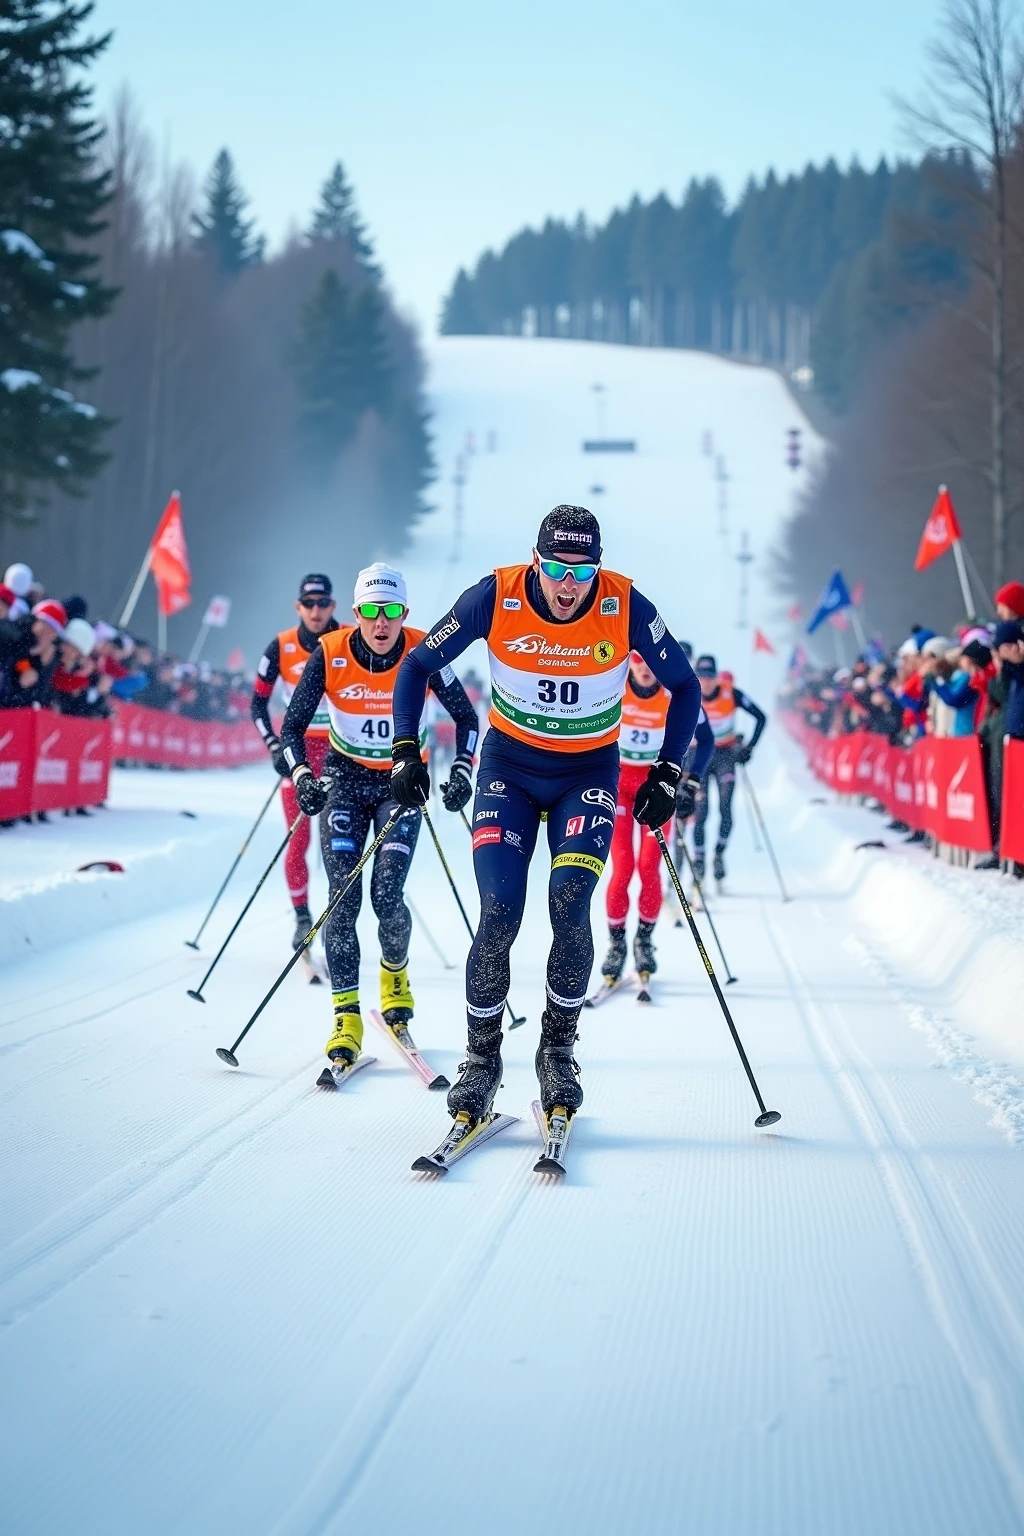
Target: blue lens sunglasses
x,y
558,572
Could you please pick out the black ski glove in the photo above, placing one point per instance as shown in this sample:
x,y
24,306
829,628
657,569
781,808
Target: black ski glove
x,y
277,757
410,780
656,798
309,792
686,796
458,792
744,753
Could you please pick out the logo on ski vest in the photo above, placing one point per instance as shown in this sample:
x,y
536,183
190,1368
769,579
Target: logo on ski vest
x,y
604,651
449,627
361,691
536,645
609,605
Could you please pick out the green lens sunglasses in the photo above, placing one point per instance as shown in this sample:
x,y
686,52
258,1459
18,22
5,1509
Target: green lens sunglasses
x,y
558,572
374,610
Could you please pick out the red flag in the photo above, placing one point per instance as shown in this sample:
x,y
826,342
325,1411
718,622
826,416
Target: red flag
x,y
168,559
762,643
236,661
794,614
857,595
941,531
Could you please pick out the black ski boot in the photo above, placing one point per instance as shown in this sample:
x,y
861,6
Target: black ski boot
x,y
719,864
479,1079
698,863
643,950
303,923
615,959
557,1072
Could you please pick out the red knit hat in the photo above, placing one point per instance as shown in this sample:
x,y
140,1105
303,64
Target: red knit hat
x,y
1012,595
53,612
7,594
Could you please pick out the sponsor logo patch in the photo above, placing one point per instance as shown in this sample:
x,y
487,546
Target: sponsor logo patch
x,y
513,839
486,816
440,635
578,860
339,661
343,844
603,821
604,651
396,848
264,666
536,645
496,787
339,820
484,835
575,825
657,627
602,797
511,602
609,605
289,646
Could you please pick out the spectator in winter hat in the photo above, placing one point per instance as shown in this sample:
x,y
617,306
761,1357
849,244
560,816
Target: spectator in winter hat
x,y
8,597
1010,601
30,643
19,578
76,607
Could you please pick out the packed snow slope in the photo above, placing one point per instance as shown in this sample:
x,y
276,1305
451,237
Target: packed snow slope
x,y
228,1308
525,408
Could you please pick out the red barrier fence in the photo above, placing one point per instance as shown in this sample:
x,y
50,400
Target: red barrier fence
x,y
144,735
51,762
936,786
1011,834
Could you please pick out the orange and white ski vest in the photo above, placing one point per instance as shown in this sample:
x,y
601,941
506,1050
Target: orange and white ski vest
x,y
643,726
291,661
558,685
721,713
360,703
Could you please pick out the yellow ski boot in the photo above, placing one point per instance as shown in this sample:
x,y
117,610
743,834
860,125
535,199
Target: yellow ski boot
x,y
396,999
347,1039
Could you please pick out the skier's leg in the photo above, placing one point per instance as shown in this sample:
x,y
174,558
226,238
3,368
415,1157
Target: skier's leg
x,y
343,830
295,872
623,863
726,775
394,920
578,827
700,818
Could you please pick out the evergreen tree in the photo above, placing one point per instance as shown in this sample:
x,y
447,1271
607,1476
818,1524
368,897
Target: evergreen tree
x,y
373,381
51,199
342,364
222,231
337,218
458,312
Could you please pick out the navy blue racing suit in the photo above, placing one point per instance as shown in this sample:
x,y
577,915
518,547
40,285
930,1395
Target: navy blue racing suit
x,y
518,784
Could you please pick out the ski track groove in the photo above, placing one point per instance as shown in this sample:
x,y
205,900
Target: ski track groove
x,y
121,1205
947,1280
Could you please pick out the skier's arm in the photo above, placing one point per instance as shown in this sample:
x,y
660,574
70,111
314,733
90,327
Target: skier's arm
x,y
468,620
704,737
667,660
266,676
446,687
747,704
303,705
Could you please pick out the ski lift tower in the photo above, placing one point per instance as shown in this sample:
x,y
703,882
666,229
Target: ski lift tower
x,y
744,557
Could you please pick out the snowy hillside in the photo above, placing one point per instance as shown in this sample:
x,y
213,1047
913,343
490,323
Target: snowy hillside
x,y
229,1308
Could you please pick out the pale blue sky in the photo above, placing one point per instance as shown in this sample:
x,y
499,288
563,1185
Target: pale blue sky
x,y
459,122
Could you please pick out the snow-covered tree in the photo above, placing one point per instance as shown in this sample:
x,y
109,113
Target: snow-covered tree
x,y
51,200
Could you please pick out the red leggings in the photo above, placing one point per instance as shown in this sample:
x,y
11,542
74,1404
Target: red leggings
x,y
625,860
295,871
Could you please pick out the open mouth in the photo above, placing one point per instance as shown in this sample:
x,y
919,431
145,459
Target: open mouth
x,y
565,602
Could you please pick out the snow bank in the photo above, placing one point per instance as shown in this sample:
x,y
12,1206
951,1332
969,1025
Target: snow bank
x,y
955,934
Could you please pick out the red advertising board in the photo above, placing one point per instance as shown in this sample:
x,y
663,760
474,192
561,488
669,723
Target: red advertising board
x,y
72,764
146,735
1011,831
17,757
950,787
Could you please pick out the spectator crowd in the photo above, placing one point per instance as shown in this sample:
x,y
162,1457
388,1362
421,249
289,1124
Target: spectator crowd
x,y
967,684
54,656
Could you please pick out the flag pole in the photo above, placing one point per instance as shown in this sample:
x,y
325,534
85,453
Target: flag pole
x,y
161,630
200,641
140,582
961,570
858,628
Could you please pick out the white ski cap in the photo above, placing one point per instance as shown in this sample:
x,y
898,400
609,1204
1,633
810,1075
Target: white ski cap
x,y
380,583
80,634
19,578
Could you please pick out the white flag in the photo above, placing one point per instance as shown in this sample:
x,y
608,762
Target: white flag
x,y
218,612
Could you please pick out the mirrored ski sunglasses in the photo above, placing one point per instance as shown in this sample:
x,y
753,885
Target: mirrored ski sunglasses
x,y
316,602
374,610
558,572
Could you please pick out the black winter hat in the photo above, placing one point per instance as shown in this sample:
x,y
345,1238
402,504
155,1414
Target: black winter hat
x,y
569,530
315,585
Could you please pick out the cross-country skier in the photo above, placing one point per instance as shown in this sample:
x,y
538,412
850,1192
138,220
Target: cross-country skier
x,y
354,670
645,707
559,631
721,699
285,658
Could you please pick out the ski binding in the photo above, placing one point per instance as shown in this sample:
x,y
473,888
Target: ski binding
x,y
462,1138
338,1072
315,971
403,1042
604,992
554,1132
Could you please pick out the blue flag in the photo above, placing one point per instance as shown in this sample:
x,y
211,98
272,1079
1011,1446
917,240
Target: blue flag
x,y
834,597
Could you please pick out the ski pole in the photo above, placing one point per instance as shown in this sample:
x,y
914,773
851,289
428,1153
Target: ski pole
x,y
196,993
767,1116
228,1053
516,1018
764,831
435,946
729,977
194,943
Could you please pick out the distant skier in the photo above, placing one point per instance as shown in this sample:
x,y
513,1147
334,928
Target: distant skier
x,y
645,706
285,658
353,670
559,631
721,699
